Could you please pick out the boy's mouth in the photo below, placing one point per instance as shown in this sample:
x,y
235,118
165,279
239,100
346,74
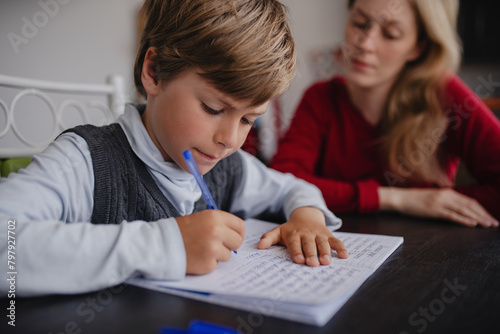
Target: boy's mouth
x,y
207,157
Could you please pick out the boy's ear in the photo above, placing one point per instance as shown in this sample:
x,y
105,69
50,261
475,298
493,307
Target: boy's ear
x,y
148,76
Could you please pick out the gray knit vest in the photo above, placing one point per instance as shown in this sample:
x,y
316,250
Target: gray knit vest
x,y
124,190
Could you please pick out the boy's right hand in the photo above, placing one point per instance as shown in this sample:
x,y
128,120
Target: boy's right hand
x,y
209,237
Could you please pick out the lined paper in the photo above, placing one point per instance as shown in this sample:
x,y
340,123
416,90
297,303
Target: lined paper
x,y
272,275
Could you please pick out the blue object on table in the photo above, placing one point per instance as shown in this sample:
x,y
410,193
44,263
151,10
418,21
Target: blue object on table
x,y
199,327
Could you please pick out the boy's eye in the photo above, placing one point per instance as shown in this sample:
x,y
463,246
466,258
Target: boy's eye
x,y
246,121
210,110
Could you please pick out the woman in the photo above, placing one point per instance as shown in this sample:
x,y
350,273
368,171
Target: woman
x,y
389,134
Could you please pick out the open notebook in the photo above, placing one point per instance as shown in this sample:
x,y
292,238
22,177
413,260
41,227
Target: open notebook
x,y
267,282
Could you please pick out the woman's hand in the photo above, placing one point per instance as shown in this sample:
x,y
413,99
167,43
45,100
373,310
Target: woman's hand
x,y
305,236
444,203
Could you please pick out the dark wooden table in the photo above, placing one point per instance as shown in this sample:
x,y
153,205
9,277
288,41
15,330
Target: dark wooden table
x,y
443,279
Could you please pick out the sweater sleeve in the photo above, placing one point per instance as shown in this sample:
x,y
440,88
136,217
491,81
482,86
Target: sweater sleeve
x,y
301,151
474,135
48,206
264,193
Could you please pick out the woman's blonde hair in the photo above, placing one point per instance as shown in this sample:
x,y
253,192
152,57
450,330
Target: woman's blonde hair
x,y
414,121
245,48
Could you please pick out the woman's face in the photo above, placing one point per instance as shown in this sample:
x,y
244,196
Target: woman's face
x,y
380,38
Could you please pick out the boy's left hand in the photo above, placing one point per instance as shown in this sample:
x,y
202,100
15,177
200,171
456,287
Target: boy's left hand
x,y
305,236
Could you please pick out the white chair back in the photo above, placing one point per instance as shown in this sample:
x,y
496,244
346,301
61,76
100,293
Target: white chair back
x,y
39,110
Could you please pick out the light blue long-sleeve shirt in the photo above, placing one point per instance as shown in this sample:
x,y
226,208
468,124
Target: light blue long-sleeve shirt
x,y
58,250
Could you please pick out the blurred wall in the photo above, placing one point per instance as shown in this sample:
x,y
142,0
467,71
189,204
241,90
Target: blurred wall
x,y
315,24
68,40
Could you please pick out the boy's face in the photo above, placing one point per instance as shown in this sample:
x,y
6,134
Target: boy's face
x,y
190,113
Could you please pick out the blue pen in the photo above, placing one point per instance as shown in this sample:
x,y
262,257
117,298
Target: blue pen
x,y
193,167
207,195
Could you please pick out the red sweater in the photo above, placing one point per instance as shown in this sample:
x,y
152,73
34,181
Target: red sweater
x,y
331,145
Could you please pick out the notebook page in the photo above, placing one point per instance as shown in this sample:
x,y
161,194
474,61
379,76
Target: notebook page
x,y
271,273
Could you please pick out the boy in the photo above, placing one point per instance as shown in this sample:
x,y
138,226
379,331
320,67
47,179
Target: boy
x,y
207,70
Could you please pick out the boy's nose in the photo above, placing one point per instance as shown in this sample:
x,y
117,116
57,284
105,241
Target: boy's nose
x,y
227,135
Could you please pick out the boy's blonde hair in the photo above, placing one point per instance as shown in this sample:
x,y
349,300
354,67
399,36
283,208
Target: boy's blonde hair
x,y
243,47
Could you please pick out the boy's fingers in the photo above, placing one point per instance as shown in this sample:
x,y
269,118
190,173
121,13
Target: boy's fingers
x,y
270,238
325,252
224,254
310,251
339,247
295,250
237,225
232,240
